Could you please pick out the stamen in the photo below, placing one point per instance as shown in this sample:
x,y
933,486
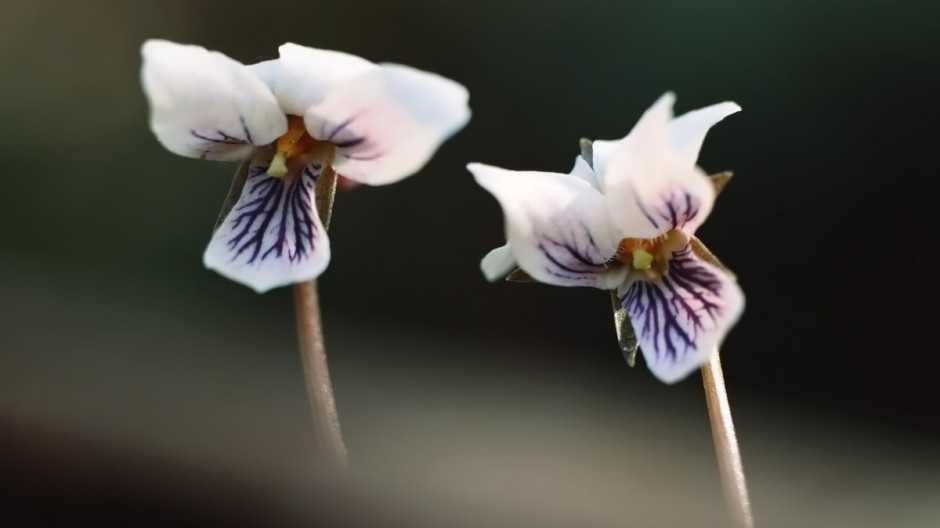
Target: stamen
x,y
278,167
296,140
642,259
651,256
294,149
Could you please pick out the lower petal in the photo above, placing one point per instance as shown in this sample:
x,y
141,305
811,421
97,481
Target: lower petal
x,y
272,236
681,319
498,263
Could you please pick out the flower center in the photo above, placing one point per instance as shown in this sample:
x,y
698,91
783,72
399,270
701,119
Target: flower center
x,y
296,148
651,256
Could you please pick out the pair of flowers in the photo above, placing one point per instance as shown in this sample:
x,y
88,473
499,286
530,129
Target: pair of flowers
x,y
622,221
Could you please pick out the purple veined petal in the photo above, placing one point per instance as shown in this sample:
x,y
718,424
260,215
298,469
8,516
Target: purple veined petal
x,y
667,208
206,105
681,319
648,185
272,236
556,227
387,123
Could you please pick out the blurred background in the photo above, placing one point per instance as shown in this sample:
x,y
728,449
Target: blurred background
x,y
139,389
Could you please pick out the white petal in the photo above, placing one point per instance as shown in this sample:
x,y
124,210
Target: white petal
x,y
498,263
582,170
603,150
206,105
688,130
649,187
388,123
306,75
267,71
681,319
272,236
556,226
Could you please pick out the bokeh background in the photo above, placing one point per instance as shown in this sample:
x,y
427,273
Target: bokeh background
x,y
139,389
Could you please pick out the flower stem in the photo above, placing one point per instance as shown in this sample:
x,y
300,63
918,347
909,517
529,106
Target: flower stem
x,y
726,444
312,349
719,414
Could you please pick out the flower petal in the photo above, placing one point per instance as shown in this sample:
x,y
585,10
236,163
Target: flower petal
x,y
387,123
583,170
206,105
498,263
556,226
649,188
272,236
688,130
304,76
267,71
681,319
603,150
687,133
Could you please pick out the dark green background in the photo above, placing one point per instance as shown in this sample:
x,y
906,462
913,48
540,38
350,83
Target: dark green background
x,y
105,302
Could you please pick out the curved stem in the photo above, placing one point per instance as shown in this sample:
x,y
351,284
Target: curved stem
x,y
726,444
312,348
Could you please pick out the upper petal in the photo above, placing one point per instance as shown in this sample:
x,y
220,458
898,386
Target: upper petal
x,y
583,170
603,150
648,186
681,319
387,123
267,71
687,133
556,226
304,76
206,105
272,236
688,130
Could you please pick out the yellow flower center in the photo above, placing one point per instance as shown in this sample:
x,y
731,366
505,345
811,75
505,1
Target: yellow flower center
x,y
651,256
296,148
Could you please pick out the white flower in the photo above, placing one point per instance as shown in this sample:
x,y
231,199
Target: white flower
x,y
373,123
626,226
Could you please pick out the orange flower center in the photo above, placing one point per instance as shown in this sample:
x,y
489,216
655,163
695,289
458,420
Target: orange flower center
x,y
296,148
651,256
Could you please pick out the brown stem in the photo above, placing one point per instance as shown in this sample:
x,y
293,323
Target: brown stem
x,y
312,349
719,414
726,445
